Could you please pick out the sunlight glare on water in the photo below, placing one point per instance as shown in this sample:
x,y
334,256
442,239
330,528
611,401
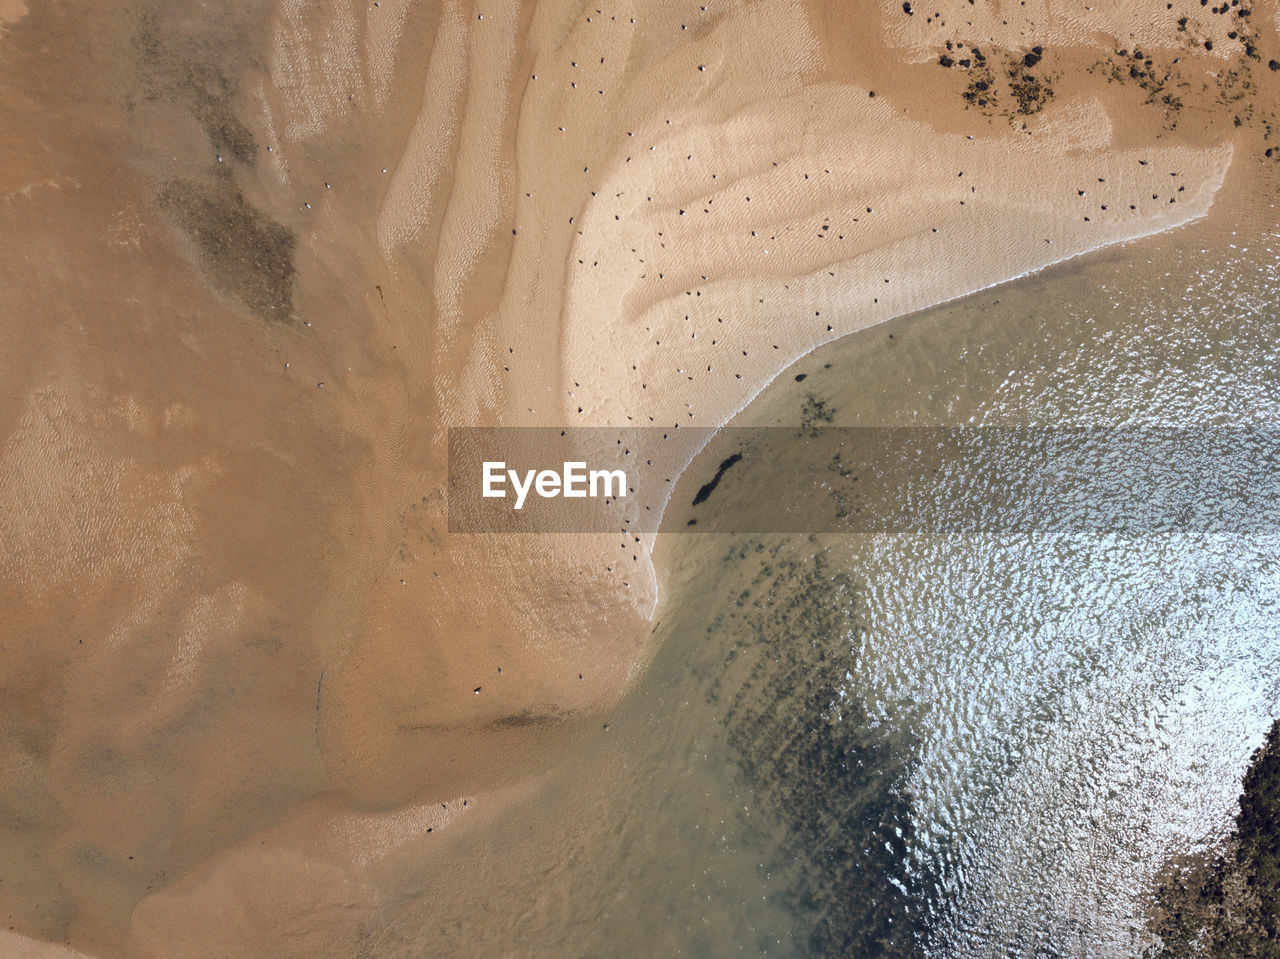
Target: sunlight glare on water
x,y
1067,711
1080,711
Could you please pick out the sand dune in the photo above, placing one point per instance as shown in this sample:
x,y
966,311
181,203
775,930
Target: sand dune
x,y
256,263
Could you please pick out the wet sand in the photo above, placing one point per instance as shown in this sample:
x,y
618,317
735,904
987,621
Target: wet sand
x,y
257,261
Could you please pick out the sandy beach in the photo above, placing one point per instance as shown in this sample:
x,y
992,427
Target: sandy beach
x,y
257,261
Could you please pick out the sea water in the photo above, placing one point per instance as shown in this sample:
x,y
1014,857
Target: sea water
x,y
918,743
986,745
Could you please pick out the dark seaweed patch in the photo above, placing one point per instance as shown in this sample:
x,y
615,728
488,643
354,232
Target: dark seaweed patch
x,y
191,70
710,487
244,253
1235,85
196,66
1029,92
815,414
815,761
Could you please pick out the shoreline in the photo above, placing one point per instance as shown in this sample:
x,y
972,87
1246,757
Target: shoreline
x,y
957,299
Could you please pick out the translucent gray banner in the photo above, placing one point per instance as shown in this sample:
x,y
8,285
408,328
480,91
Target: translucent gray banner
x,y
961,480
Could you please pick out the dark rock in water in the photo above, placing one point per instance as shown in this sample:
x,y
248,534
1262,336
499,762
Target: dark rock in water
x,y
1274,64
906,8
1228,905
800,377
710,487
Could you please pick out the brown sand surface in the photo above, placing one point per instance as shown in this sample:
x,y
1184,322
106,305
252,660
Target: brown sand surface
x,y
259,256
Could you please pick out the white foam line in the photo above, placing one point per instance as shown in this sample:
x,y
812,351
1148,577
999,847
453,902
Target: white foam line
x,y
790,364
